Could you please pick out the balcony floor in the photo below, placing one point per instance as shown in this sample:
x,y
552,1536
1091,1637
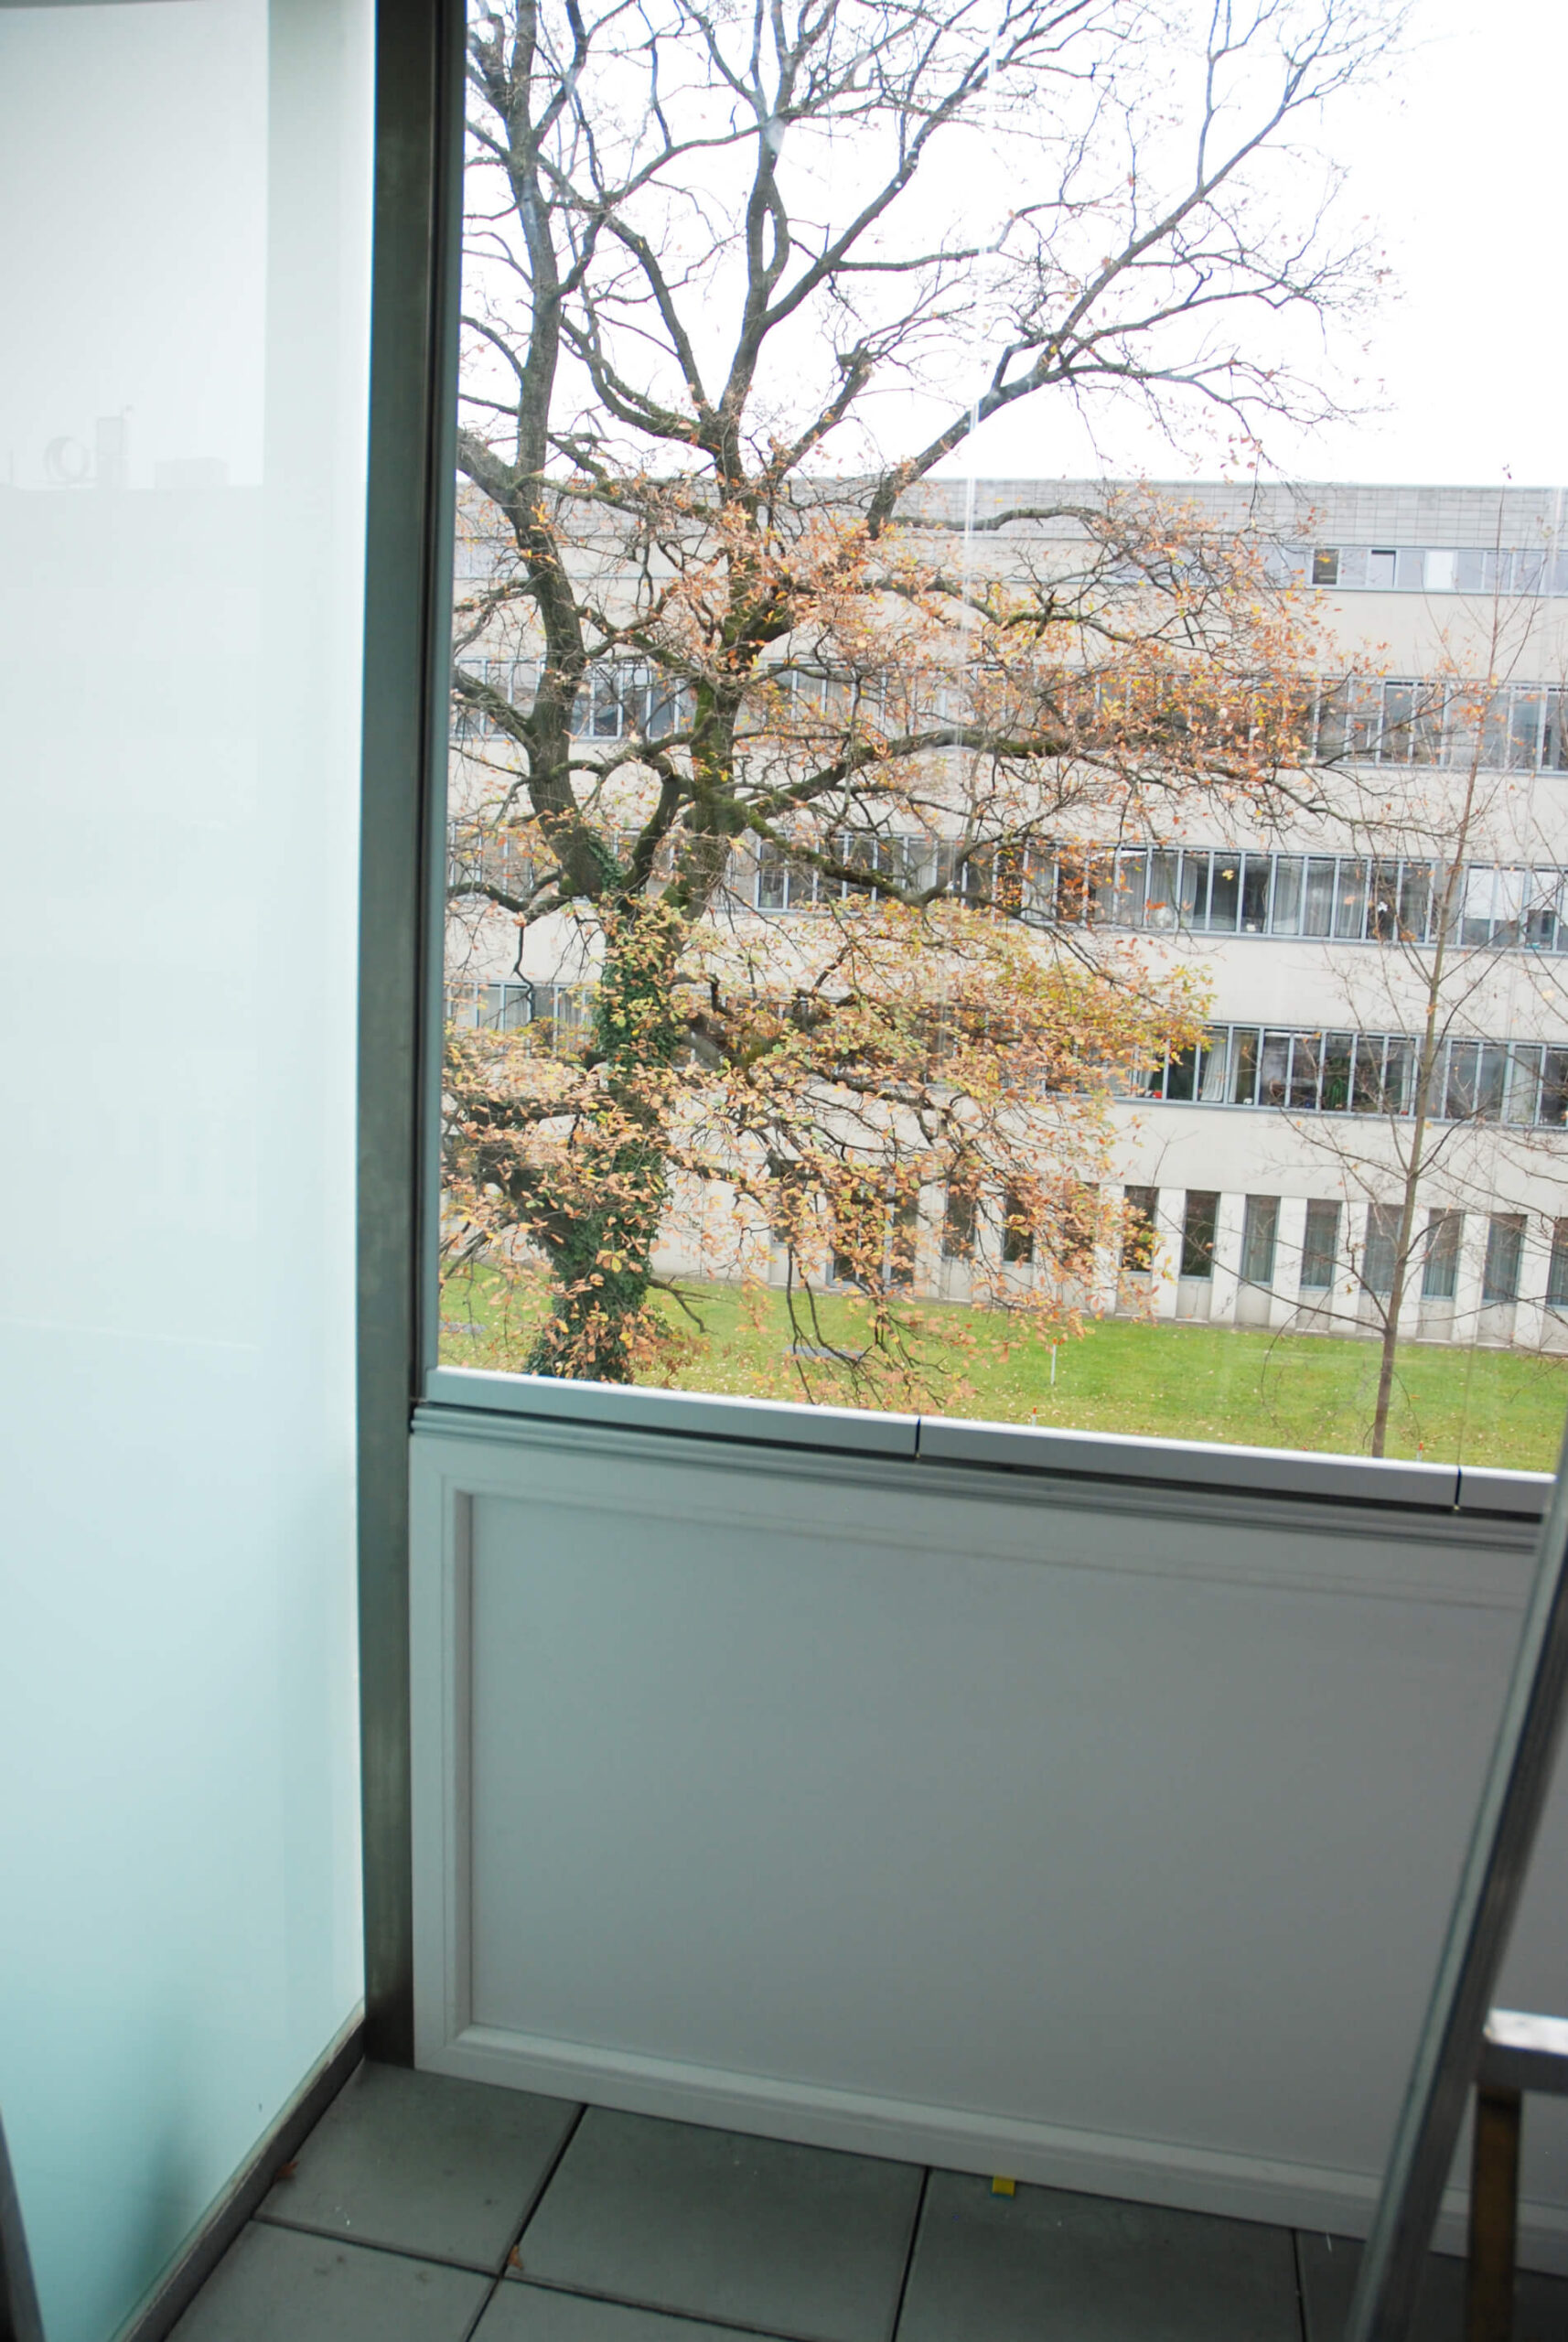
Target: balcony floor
x,y
422,2210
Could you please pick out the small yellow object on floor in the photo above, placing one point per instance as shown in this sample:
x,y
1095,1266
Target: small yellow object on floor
x,y
1003,2187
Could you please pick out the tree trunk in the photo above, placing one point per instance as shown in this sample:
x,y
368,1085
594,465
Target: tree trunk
x,y
602,1326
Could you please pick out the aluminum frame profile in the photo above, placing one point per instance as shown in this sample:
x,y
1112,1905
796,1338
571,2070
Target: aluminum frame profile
x,y
414,340
1451,2048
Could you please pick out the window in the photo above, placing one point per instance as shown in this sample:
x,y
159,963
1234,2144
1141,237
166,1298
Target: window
x,y
1259,1230
1134,852
1199,1221
1505,1250
1557,1267
1320,1244
958,1225
1380,1255
903,1239
1334,1092
1017,1233
1139,1206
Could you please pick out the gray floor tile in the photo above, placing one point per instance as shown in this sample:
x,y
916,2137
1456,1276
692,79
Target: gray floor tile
x,y
279,2285
790,2240
529,2314
1329,2267
441,2168
1047,2266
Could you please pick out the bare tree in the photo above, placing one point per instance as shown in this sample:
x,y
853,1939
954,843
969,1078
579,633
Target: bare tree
x,y
1423,1097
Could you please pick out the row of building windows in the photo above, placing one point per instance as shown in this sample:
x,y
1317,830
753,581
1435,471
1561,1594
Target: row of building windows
x,y
1427,569
1435,1260
565,1010
1325,1259
1365,1073
1200,890
1516,727
1204,890
1517,1082
1380,569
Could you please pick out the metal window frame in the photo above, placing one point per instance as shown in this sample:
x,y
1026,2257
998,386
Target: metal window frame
x,y
417,229
418,212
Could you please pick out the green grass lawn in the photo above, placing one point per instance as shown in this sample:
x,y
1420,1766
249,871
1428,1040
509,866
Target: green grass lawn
x,y
1499,1407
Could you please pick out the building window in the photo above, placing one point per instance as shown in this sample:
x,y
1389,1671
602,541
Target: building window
x,y
1505,1247
1380,1254
1260,1233
1440,1269
1319,1247
1325,566
1557,1267
1197,1228
958,1225
1017,1235
904,1236
1139,1206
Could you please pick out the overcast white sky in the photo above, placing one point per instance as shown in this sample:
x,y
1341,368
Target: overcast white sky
x,y
1463,167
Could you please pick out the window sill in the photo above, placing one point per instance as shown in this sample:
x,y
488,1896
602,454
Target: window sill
x,y
460,1395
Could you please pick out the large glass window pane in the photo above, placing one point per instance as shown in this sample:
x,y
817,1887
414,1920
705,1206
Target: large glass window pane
x,y
1505,1250
1195,889
1199,1223
1382,902
1320,1246
1274,1070
1350,902
1255,894
1224,893
1181,1075
1399,1076
1244,1043
1163,887
1478,905
1023,1025
1440,1266
1140,1206
1540,929
1132,882
1367,1078
959,1224
1398,717
1554,730
1285,916
772,876
1336,1088
1259,1230
1491,1082
1306,1062
1524,1084
1557,1267
1318,912
1416,901
1380,1253
1525,715
1214,1066
1017,1229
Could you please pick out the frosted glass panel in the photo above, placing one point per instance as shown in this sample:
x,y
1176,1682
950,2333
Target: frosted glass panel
x,y
182,425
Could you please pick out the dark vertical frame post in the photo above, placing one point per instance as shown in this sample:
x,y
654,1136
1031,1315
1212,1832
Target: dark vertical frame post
x,y
417,239
19,2319
1448,2054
